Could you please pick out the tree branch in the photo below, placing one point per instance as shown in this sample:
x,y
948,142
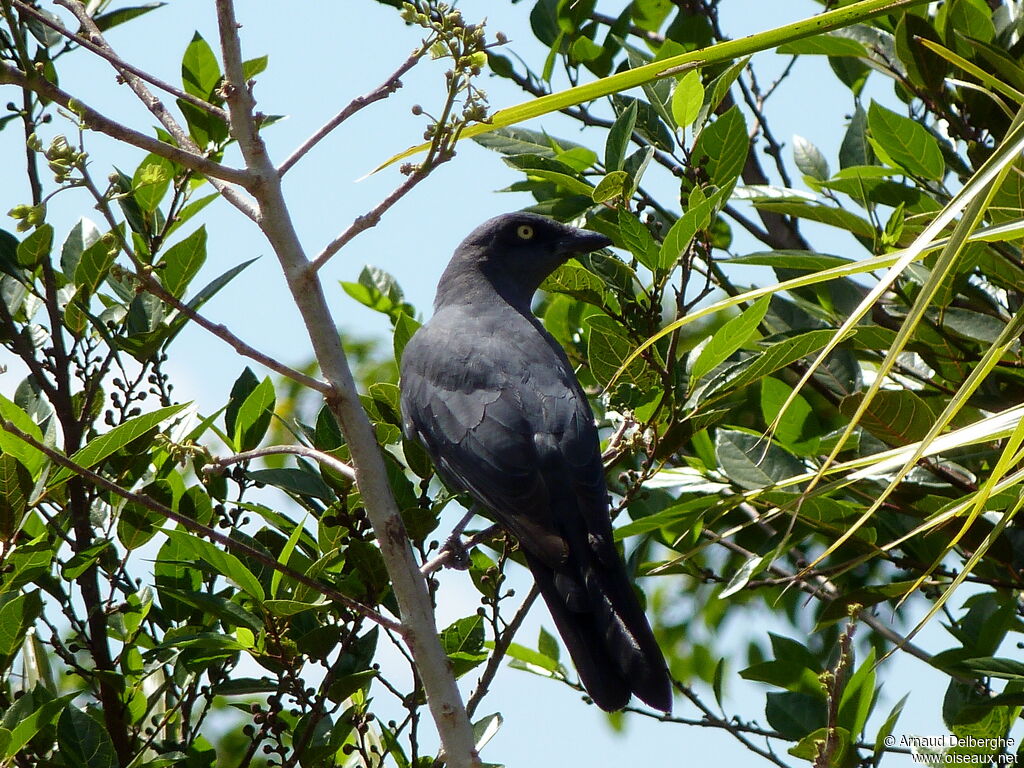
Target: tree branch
x,y
218,465
382,91
98,45
501,645
155,105
371,218
238,547
222,332
93,120
410,587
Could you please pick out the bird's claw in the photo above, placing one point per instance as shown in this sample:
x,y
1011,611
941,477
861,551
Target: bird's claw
x,y
458,555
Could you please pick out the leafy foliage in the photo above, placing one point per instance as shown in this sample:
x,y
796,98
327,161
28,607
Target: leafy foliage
x,y
833,449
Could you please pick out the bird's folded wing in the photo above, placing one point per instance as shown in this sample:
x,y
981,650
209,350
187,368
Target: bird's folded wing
x,y
516,441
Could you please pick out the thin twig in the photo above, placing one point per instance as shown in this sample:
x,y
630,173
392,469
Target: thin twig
x,y
382,91
224,334
501,645
156,107
101,49
97,121
238,547
734,730
825,590
218,465
371,218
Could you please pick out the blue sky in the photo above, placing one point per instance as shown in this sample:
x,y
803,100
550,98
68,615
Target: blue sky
x,y
322,54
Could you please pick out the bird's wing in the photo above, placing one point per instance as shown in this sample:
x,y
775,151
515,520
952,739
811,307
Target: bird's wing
x,y
504,419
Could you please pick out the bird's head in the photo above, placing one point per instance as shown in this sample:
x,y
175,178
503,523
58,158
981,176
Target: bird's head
x,y
516,251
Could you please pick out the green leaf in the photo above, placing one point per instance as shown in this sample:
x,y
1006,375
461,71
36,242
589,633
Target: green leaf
x,y
379,291
906,142
519,141
29,725
809,160
151,180
107,444
405,327
648,124
838,740
791,674
548,645
729,338
15,489
750,462
16,616
925,69
83,742
84,559
721,148
485,728
292,480
463,643
970,18
190,210
31,457
174,573
825,45
619,137
798,423
200,72
578,282
858,696
637,239
244,386
585,49
565,180
224,563
742,575
676,517
615,184
253,67
94,264
687,98
718,89
896,416
608,349
207,293
772,358
808,260
36,247
26,563
285,608
138,524
825,214
532,660
83,235
887,728
696,218
182,261
1004,669
855,149
111,19
253,417
795,715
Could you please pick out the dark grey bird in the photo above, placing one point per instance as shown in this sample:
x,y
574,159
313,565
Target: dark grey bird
x,y
493,398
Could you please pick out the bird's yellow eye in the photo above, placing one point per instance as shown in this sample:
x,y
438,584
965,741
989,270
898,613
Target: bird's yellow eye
x,y
525,231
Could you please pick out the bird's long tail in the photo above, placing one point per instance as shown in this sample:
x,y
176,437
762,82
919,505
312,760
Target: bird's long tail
x,y
605,630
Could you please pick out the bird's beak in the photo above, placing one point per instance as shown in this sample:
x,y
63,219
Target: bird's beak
x,y
581,241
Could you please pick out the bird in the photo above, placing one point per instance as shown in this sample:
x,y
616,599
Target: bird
x,y
493,399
